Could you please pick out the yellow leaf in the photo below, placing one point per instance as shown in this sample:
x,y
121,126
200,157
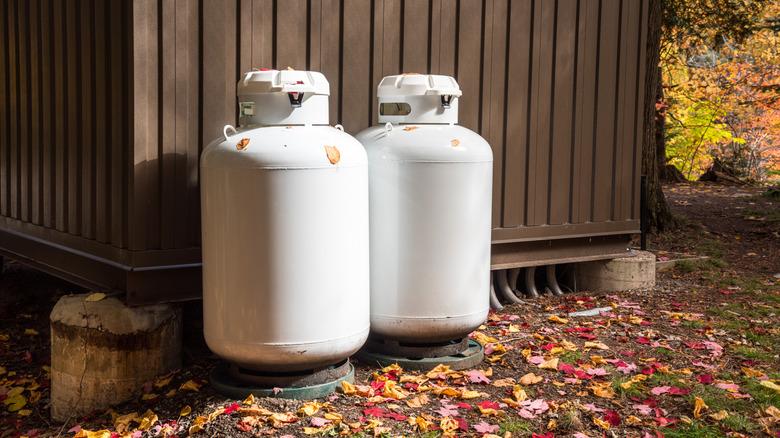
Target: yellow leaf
x,y
603,390
467,394
551,364
420,423
598,360
455,142
439,371
348,388
417,402
698,406
148,420
16,390
552,425
310,408
596,344
161,382
392,390
149,396
484,339
15,403
185,411
391,368
97,296
448,426
334,156
190,385
720,415
410,128
84,433
519,394
601,423
334,417
750,372
531,379
633,420
122,422
558,319
171,393
242,144
771,385
500,383
774,412
30,332
249,400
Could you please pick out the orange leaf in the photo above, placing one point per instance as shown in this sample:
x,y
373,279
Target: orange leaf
x,y
334,156
242,144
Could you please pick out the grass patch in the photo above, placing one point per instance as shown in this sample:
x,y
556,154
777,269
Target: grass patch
x,y
665,352
570,419
693,324
740,423
717,399
633,391
571,357
516,427
711,247
693,430
661,379
686,266
746,352
762,395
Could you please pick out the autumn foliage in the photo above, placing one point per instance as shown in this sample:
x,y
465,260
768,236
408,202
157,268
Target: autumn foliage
x,y
720,63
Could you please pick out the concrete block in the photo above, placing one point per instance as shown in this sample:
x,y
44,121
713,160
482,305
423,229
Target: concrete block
x,y
102,352
636,271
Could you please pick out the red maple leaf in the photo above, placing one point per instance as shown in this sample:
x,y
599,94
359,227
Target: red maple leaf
x,y
706,379
487,404
612,417
374,412
233,407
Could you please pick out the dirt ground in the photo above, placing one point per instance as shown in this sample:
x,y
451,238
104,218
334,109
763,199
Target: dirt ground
x,y
697,356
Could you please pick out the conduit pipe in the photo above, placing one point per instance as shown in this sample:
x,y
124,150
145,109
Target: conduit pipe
x,y
506,291
552,281
495,304
530,282
506,281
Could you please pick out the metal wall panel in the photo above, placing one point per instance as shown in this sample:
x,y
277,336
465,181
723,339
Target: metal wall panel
x,y
63,119
106,105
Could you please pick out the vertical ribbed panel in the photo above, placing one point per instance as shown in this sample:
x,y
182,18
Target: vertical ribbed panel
x,y
63,118
106,105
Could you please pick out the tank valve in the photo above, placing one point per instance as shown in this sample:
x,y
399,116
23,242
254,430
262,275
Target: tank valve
x,y
295,99
446,100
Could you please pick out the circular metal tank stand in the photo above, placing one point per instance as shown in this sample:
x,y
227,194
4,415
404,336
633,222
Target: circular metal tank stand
x,y
458,354
237,383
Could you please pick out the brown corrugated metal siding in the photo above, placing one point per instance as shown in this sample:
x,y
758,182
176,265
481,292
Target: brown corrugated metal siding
x,y
107,104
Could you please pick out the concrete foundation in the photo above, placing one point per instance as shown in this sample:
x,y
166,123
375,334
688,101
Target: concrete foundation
x,y
634,272
102,352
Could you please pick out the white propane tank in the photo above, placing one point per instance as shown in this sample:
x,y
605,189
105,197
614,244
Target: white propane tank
x,y
285,230
430,184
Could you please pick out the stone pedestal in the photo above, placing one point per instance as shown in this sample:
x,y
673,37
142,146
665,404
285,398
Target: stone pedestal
x,y
634,272
102,352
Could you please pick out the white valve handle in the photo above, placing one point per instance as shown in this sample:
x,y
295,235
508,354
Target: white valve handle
x,y
339,127
388,128
225,131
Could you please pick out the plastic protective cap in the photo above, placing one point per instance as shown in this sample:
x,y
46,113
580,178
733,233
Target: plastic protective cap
x,y
416,98
283,97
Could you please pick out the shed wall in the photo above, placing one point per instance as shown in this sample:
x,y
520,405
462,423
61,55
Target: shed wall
x,y
106,105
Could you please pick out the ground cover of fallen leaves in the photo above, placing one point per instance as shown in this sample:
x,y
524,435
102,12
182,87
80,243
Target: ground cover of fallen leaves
x,y
697,356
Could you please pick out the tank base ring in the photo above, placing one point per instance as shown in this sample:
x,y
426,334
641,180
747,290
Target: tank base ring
x,y
309,385
413,350
468,358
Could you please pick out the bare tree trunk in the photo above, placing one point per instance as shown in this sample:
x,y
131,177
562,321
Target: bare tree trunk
x,y
660,217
